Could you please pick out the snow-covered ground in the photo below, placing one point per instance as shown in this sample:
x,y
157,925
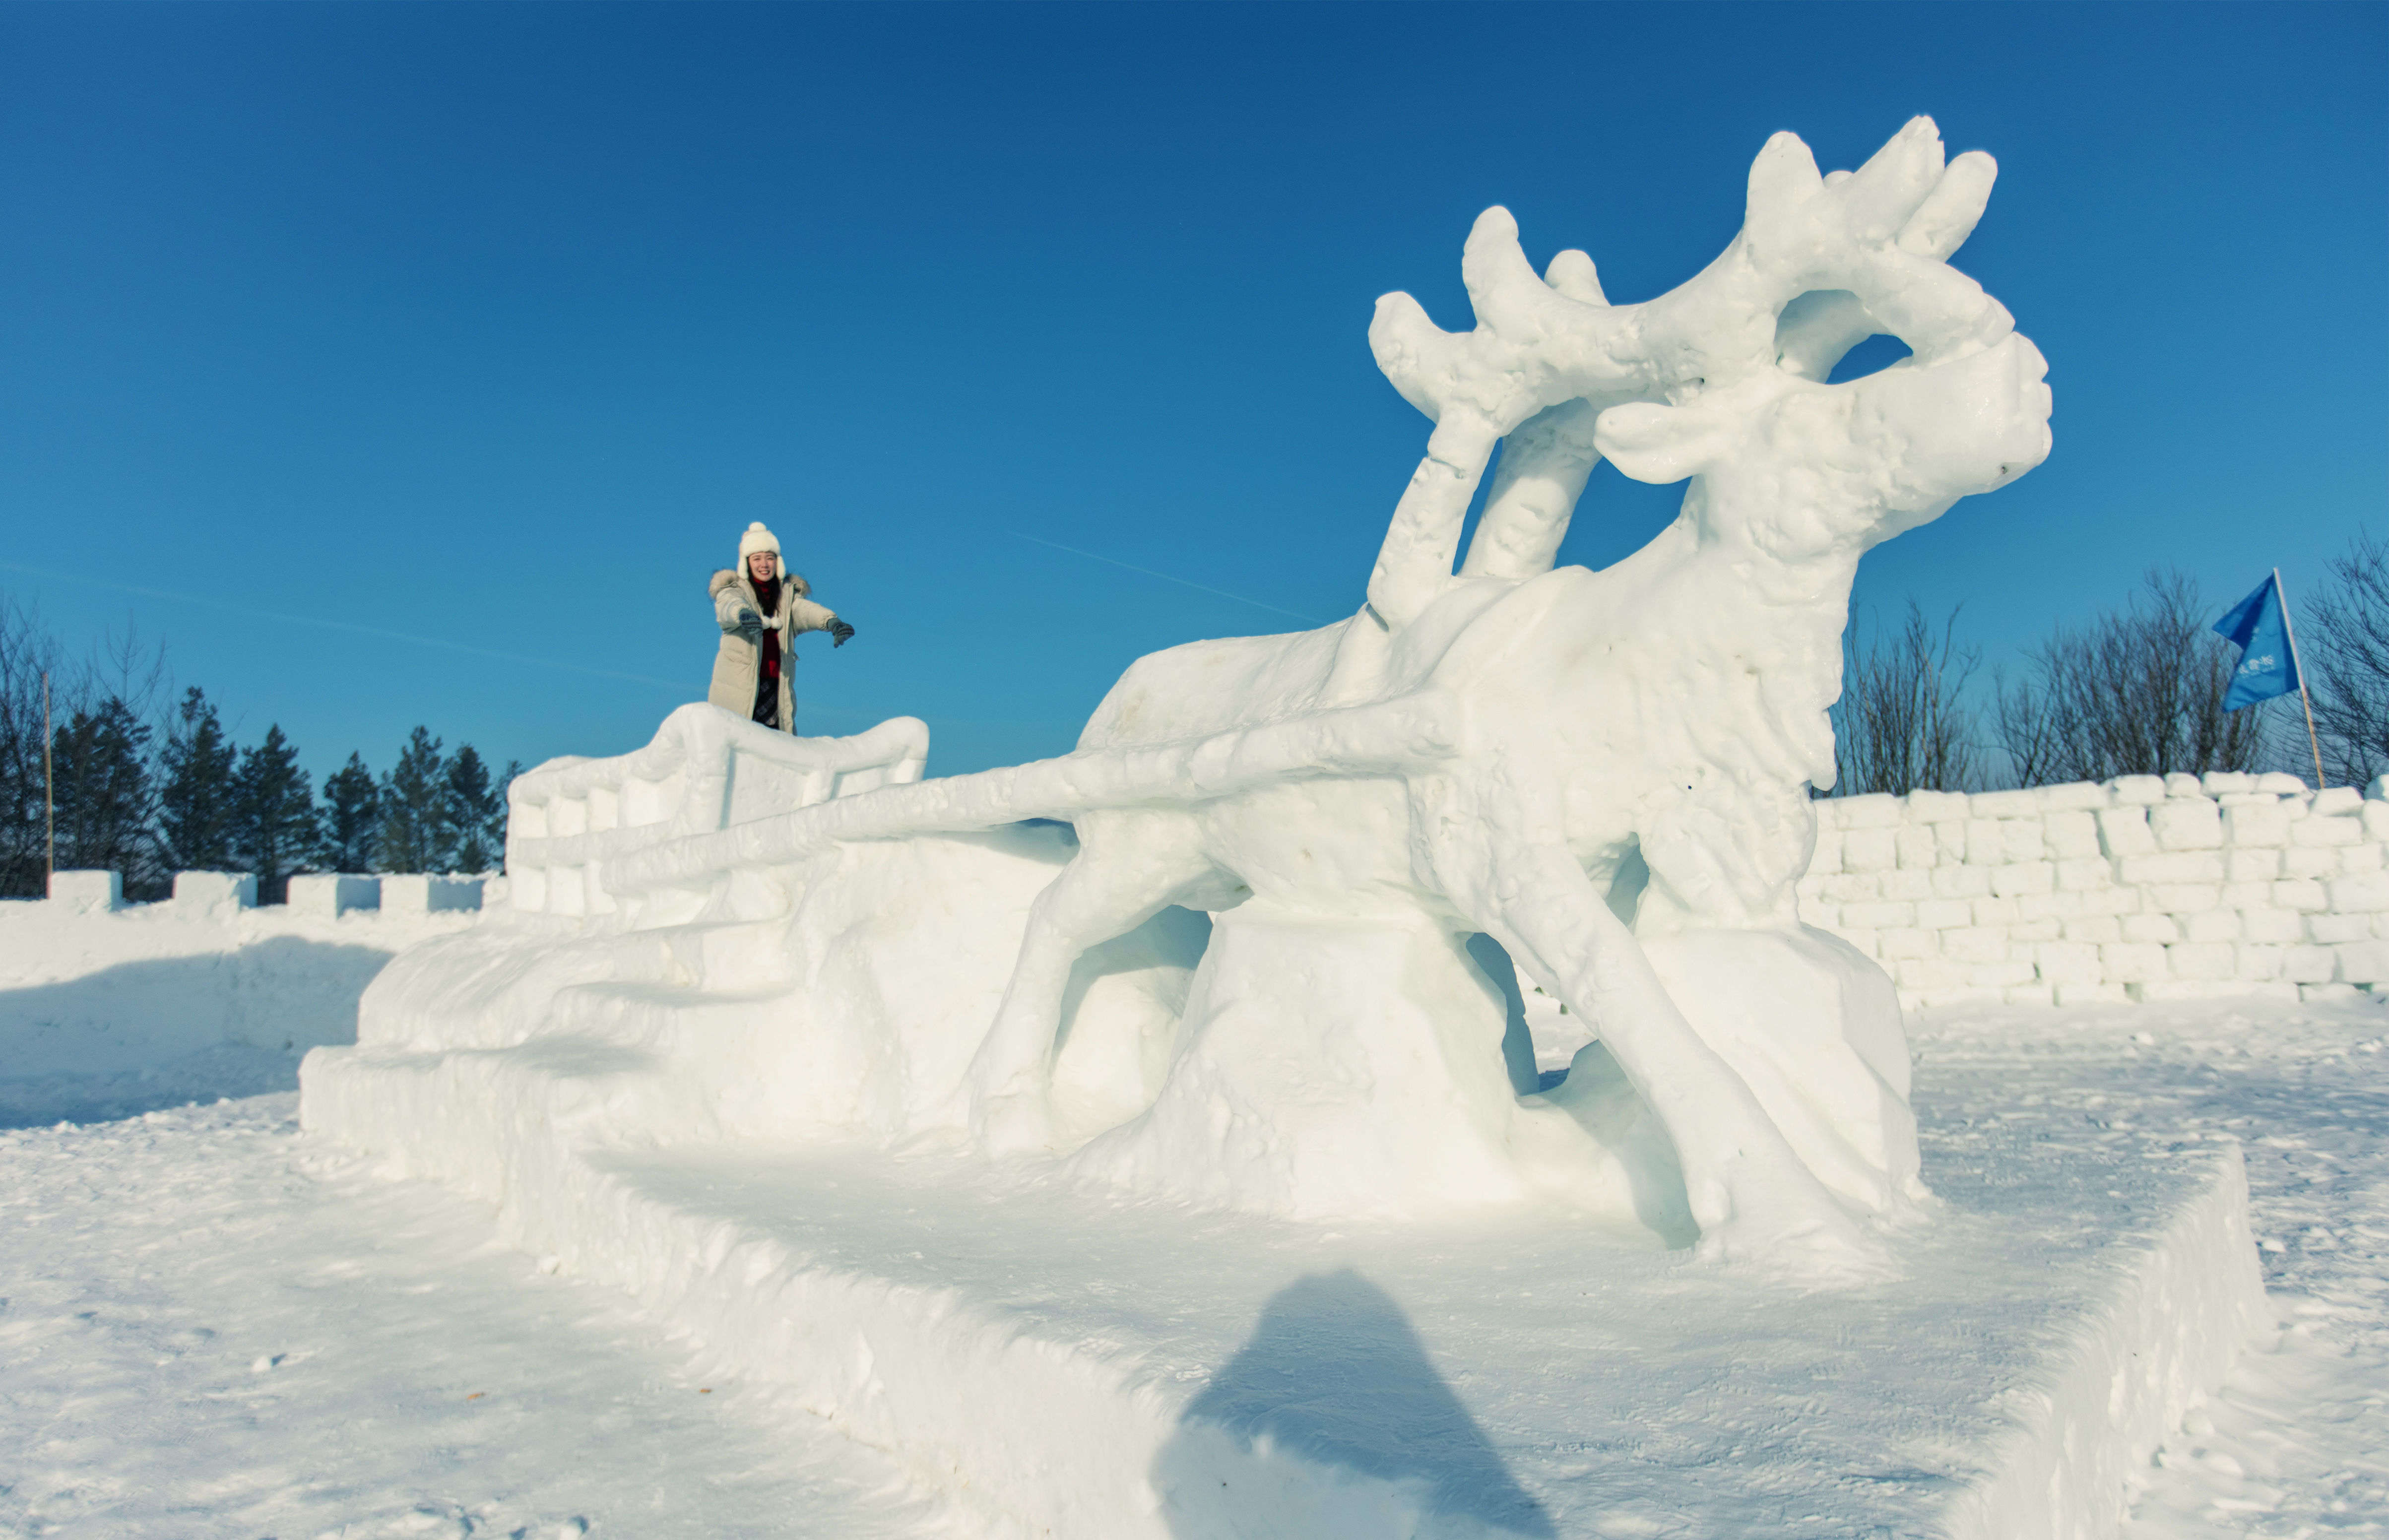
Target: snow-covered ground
x,y
216,1326
212,1329
2297,1442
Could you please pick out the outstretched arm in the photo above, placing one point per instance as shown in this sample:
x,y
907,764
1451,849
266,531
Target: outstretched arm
x,y
736,615
803,614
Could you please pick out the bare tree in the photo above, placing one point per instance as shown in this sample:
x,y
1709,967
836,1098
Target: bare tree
x,y
26,655
2137,692
104,710
1902,723
2347,652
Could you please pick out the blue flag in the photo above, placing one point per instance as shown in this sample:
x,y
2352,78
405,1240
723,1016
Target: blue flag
x,y
2269,666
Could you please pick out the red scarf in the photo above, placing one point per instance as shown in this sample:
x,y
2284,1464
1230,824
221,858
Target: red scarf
x,y
767,594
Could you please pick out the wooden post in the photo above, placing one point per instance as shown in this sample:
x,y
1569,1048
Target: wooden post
x,y
2292,632
49,797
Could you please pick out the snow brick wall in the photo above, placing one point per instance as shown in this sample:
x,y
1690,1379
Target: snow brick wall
x,y
2141,888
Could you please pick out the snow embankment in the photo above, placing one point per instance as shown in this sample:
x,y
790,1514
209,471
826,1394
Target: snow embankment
x,y
107,1011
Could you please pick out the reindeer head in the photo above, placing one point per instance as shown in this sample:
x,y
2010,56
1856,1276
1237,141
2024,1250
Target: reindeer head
x,y
1794,470
1721,378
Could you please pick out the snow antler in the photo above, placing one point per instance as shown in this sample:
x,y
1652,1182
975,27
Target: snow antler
x,y
1871,246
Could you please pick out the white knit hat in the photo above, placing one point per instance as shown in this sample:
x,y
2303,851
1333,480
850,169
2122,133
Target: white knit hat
x,y
755,538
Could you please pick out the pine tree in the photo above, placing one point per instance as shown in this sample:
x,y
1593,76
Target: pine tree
x,y
415,830
477,812
106,798
273,822
350,821
501,810
198,798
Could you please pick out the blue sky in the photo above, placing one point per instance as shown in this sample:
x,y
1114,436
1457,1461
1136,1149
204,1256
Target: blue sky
x,y
493,325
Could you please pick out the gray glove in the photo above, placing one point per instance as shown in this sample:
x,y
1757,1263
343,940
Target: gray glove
x,y
838,631
750,625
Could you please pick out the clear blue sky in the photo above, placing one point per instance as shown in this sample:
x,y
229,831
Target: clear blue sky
x,y
493,325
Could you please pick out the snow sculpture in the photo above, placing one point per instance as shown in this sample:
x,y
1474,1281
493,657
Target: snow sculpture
x,y
1606,773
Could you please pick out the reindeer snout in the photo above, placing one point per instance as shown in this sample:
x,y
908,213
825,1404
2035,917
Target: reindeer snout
x,y
1963,427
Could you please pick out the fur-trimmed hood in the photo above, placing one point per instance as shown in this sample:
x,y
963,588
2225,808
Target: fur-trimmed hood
x,y
729,577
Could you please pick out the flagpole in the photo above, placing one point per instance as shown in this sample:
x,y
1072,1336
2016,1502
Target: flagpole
x,y
2292,632
49,797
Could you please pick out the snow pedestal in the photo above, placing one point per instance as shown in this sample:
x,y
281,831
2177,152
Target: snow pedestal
x,y
215,889
89,890
1052,1358
418,893
711,1116
329,893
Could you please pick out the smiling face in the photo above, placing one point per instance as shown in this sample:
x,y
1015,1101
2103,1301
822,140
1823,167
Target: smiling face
x,y
762,566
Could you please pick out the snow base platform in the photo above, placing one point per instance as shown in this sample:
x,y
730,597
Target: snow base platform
x,y
1056,1361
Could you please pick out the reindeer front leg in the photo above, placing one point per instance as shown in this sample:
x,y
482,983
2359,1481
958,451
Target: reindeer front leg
x,y
1132,862
1748,1191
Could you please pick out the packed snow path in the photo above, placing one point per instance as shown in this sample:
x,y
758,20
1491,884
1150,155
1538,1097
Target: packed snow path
x,y
151,1267
209,1328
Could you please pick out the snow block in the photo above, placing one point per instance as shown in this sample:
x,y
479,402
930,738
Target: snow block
x,y
2138,791
2004,805
418,893
89,890
2363,962
1928,806
2338,802
2079,796
334,893
215,889
2318,831
2186,822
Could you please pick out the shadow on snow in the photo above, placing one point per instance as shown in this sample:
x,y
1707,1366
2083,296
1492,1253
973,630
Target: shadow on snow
x,y
1333,1422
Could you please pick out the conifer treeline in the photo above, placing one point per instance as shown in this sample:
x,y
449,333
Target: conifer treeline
x,y
149,791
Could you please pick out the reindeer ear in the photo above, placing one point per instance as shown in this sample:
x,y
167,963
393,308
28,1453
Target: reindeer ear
x,y
1659,444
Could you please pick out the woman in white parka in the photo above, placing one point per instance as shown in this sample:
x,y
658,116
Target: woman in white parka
x,y
762,607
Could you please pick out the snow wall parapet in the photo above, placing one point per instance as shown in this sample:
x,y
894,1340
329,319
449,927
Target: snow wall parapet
x,y
2144,887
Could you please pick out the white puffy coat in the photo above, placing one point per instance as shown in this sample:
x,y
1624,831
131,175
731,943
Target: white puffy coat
x,y
735,663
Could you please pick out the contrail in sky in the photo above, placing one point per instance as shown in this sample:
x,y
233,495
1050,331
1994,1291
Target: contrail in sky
x,y
1165,578
340,626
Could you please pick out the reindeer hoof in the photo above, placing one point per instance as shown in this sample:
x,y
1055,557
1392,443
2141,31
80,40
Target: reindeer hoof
x,y
1015,1125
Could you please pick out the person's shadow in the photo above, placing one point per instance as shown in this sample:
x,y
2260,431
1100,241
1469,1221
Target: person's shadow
x,y
1331,1420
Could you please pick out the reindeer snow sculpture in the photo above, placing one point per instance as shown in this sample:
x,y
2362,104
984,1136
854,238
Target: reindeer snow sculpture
x,y
1509,749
